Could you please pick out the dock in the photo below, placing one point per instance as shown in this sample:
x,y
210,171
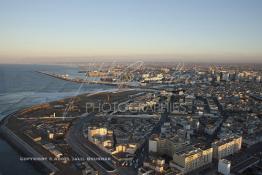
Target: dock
x,y
78,80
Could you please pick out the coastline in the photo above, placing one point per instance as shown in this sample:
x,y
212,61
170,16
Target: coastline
x,y
16,150
22,147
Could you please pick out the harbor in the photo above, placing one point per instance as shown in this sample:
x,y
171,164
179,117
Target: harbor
x,y
78,80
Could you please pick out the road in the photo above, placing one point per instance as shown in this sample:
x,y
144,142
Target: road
x,y
85,148
78,143
242,166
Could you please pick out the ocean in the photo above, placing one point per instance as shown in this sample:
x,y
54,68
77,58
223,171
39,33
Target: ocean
x,y
21,86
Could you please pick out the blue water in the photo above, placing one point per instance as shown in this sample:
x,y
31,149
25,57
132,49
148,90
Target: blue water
x,y
21,86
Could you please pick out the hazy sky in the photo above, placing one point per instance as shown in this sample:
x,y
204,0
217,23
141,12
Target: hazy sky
x,y
78,30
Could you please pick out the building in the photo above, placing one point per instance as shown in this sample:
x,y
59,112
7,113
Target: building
x,y
102,137
152,145
227,146
158,77
124,153
92,131
165,145
97,74
224,166
35,137
190,158
128,148
157,165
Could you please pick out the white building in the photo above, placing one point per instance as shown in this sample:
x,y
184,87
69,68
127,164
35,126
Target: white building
x,y
227,146
190,158
152,145
224,166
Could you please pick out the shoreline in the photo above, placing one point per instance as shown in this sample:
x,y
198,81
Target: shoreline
x,y
23,148
20,153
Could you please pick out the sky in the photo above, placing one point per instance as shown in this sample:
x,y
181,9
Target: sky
x,y
37,31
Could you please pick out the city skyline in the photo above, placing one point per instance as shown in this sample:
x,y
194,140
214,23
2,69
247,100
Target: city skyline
x,y
190,31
